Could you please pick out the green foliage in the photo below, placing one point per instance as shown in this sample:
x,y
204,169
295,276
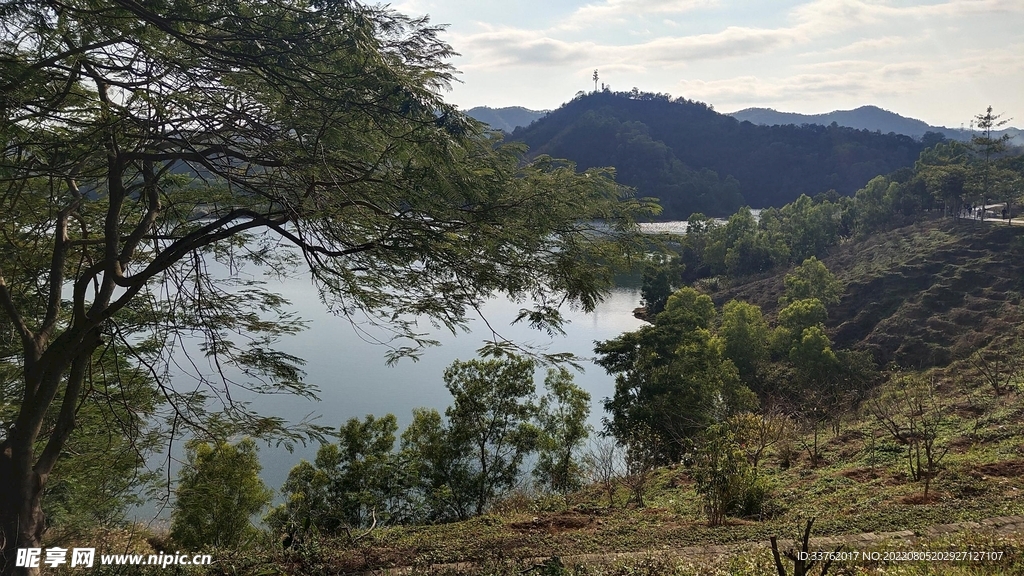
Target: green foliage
x,y
446,469
743,247
875,204
646,163
562,421
793,320
687,309
721,475
219,491
656,289
987,148
491,414
810,226
745,332
438,468
355,483
102,472
673,378
144,144
812,355
812,279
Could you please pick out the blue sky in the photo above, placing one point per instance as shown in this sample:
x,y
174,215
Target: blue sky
x,y
942,61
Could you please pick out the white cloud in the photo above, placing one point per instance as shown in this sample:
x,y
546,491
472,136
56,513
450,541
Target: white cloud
x,y
515,46
751,90
510,46
873,44
619,10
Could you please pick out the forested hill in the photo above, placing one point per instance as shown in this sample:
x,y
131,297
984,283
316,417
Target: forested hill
x,y
871,118
507,119
863,118
696,160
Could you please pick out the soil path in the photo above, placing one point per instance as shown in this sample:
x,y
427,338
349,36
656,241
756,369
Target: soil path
x,y
1001,525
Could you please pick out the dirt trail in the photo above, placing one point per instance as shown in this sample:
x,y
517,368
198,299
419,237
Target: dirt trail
x,y
1001,525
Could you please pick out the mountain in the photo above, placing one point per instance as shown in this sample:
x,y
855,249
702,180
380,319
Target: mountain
x,y
507,119
696,160
870,118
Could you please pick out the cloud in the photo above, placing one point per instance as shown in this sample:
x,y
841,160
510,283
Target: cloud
x,y
871,44
753,88
515,46
733,41
618,10
842,13
510,46
816,20
902,71
828,52
863,81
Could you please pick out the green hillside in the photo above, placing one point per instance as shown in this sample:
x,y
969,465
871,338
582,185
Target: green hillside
x,y
696,160
919,295
850,472
507,119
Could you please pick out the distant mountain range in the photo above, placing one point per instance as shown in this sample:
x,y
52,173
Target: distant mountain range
x,y
507,119
870,118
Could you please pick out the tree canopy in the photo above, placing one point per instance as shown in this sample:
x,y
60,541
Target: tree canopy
x,y
219,491
672,379
141,142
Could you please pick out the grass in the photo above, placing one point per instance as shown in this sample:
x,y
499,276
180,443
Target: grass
x,y
861,486
928,296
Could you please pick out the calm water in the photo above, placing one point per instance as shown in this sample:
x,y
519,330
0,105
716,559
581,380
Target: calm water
x,y
354,380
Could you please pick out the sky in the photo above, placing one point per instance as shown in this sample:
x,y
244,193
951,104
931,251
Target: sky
x,y
941,61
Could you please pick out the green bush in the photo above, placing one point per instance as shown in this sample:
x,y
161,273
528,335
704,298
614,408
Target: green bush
x,y
219,490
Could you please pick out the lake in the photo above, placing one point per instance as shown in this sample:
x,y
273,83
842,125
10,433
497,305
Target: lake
x,y
353,379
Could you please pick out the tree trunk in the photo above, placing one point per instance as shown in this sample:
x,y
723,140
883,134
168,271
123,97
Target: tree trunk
x,y
23,473
21,513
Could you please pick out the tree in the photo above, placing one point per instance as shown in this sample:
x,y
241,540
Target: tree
x,y
910,412
874,204
756,433
812,356
944,171
719,470
491,417
354,483
142,142
745,332
439,467
988,147
810,225
672,379
643,453
605,464
562,420
102,470
812,279
656,289
219,490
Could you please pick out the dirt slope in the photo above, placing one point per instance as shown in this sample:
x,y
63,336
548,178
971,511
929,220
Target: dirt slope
x,y
921,295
